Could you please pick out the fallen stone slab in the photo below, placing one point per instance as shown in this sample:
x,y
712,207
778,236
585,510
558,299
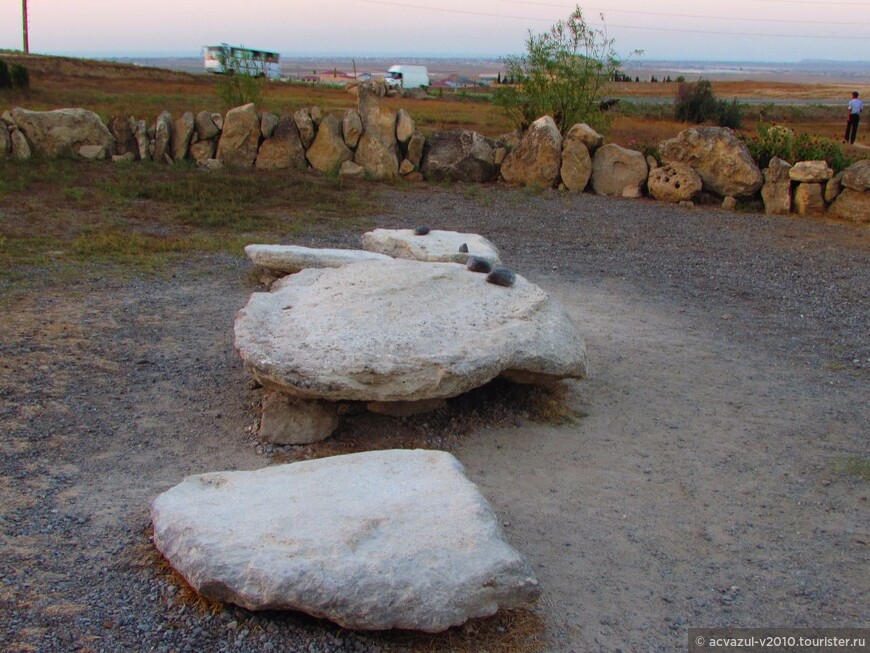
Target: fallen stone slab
x,y
434,246
403,330
289,259
371,541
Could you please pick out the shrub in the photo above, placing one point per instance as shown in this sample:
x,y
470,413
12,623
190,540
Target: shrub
x,y
777,141
5,77
564,73
242,80
695,102
729,114
20,76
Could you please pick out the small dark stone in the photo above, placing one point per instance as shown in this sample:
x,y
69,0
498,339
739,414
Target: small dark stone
x,y
501,277
478,264
421,231
463,248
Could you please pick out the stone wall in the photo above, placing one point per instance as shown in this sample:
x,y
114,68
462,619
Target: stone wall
x,y
706,164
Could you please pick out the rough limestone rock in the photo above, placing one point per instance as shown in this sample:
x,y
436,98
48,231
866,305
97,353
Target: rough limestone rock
x,y
350,170
268,122
143,142
378,160
405,126
20,147
852,205
833,187
328,151
857,176
371,541
5,142
92,152
576,165
436,246
351,127
203,150
537,159
615,168
403,331
283,149
674,182
378,149
406,167
305,125
415,148
811,171
163,137
378,121
460,155
287,420
809,199
207,125
776,191
123,130
182,131
60,133
586,135
718,156
288,259
240,137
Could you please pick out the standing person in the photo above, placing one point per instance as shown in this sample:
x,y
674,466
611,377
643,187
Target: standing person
x,y
855,108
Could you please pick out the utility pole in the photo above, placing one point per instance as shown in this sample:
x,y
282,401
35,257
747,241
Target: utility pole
x,y
24,22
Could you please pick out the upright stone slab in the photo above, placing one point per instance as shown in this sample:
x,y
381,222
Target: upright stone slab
x,y
182,131
163,137
576,167
240,137
372,541
537,159
283,149
776,191
328,151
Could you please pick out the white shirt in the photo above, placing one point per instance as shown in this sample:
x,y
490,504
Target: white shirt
x,y
855,106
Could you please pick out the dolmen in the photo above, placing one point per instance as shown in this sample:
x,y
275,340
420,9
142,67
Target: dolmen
x,y
371,541
399,334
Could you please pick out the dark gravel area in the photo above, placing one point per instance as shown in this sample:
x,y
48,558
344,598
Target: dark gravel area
x,y
111,391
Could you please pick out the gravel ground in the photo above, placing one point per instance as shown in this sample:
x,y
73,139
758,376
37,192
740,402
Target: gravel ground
x,y
112,391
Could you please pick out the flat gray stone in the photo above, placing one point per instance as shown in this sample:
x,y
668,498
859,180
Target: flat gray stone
x,y
374,540
403,330
436,246
288,259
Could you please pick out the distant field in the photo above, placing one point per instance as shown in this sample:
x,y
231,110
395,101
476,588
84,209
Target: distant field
x,y
110,88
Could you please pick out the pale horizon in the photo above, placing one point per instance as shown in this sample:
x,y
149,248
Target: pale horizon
x,y
769,31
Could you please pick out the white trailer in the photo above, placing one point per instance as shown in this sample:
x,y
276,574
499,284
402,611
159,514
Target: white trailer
x,y
405,76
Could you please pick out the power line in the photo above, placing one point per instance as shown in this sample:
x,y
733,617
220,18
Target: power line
x,y
637,27
669,15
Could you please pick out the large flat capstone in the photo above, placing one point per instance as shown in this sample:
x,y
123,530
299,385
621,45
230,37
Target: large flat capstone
x,y
403,331
374,540
434,246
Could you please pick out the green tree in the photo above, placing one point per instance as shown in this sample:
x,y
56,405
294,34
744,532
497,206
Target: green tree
x,y
564,73
243,77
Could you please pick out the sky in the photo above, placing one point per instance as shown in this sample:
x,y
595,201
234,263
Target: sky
x,y
713,30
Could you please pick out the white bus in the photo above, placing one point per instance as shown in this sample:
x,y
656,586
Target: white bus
x,y
404,76
257,63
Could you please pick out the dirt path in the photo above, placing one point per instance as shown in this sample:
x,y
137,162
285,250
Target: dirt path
x,y
705,486
697,492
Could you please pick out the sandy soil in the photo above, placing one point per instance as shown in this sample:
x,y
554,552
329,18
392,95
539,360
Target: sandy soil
x,y
700,481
